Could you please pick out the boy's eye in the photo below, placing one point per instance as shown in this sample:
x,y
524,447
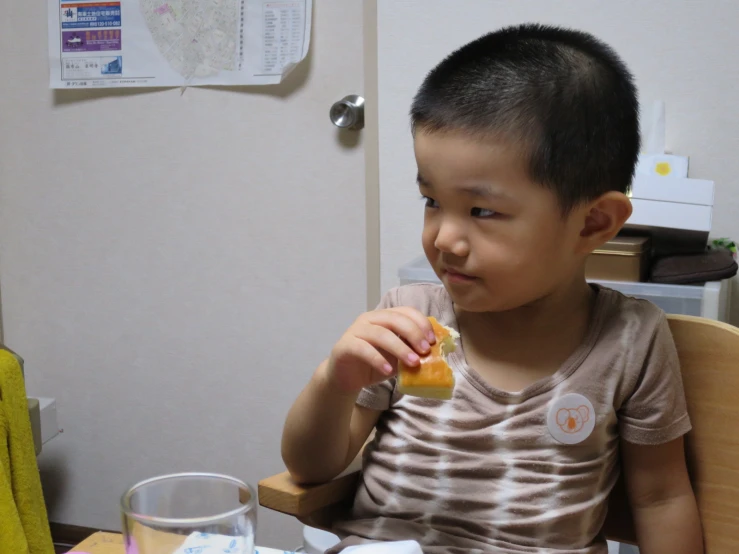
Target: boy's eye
x,y
481,212
430,202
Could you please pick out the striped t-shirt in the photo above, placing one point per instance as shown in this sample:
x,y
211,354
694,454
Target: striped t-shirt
x,y
494,471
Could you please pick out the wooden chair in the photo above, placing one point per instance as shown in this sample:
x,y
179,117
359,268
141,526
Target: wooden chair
x,y
709,358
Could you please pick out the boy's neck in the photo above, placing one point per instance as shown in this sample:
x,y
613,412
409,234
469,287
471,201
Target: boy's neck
x,y
566,309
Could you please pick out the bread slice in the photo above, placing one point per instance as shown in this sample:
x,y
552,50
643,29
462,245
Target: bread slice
x,y
433,378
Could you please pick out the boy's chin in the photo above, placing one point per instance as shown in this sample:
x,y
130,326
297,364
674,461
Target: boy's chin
x,y
483,300
480,303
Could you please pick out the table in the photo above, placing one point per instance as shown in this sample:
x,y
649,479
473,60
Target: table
x,y
112,543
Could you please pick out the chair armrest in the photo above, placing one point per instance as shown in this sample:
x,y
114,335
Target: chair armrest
x,y
282,494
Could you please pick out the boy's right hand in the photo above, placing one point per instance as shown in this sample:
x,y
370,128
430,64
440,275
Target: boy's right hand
x,y
369,351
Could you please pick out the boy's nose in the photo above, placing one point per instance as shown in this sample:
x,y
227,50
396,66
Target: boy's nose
x,y
451,239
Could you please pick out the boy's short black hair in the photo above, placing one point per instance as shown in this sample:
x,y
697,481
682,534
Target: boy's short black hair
x,y
565,95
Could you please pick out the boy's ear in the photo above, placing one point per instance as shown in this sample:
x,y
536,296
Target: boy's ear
x,y
603,219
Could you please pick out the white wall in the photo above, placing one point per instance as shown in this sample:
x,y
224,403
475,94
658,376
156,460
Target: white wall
x,y
174,267
681,52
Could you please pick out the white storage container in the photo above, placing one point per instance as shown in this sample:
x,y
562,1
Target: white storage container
x,y
710,300
672,203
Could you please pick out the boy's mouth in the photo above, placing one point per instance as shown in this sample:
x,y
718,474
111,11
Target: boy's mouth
x,y
457,276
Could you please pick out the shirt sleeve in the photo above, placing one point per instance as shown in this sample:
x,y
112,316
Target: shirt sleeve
x,y
380,396
656,412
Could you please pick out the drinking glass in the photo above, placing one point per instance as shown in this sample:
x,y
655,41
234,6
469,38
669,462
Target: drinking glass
x,y
189,512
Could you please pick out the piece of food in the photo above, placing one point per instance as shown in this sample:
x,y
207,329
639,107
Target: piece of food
x,y
433,378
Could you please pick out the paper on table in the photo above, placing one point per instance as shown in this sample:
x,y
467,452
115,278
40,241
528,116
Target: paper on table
x,y
170,43
203,543
206,543
397,547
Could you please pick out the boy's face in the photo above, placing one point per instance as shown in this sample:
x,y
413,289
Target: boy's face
x,y
497,240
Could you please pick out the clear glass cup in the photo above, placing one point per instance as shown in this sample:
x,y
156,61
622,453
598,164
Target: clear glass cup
x,y
174,514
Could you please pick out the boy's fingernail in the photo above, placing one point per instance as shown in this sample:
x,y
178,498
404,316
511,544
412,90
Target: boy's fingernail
x,y
425,346
413,357
388,368
431,336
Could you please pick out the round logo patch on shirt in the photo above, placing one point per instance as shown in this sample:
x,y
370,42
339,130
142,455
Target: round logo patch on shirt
x,y
571,419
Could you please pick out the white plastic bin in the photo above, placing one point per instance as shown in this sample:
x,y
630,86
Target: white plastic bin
x,y
710,300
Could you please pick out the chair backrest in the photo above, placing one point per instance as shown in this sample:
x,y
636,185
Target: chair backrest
x,y
709,359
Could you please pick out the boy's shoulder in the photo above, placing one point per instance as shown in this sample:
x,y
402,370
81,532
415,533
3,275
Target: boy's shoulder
x,y
621,303
630,319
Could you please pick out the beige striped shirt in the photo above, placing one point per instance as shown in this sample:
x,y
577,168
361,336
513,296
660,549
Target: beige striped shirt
x,y
493,471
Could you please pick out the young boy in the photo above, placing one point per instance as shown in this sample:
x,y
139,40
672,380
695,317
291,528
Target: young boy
x,y
525,141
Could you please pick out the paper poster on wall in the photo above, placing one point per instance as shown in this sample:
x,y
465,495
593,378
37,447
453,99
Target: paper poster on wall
x,y
169,43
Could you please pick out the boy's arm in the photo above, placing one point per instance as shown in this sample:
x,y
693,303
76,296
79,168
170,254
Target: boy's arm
x,y
324,431
325,428
662,500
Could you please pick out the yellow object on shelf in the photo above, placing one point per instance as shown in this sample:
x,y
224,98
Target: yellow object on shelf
x,y
663,165
24,527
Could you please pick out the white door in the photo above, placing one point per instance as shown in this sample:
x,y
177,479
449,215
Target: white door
x,y
175,266
680,52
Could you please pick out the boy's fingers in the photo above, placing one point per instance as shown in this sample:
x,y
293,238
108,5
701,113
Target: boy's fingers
x,y
421,320
382,338
406,327
372,357
392,360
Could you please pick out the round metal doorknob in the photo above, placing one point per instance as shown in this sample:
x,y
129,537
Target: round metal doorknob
x,y
348,113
